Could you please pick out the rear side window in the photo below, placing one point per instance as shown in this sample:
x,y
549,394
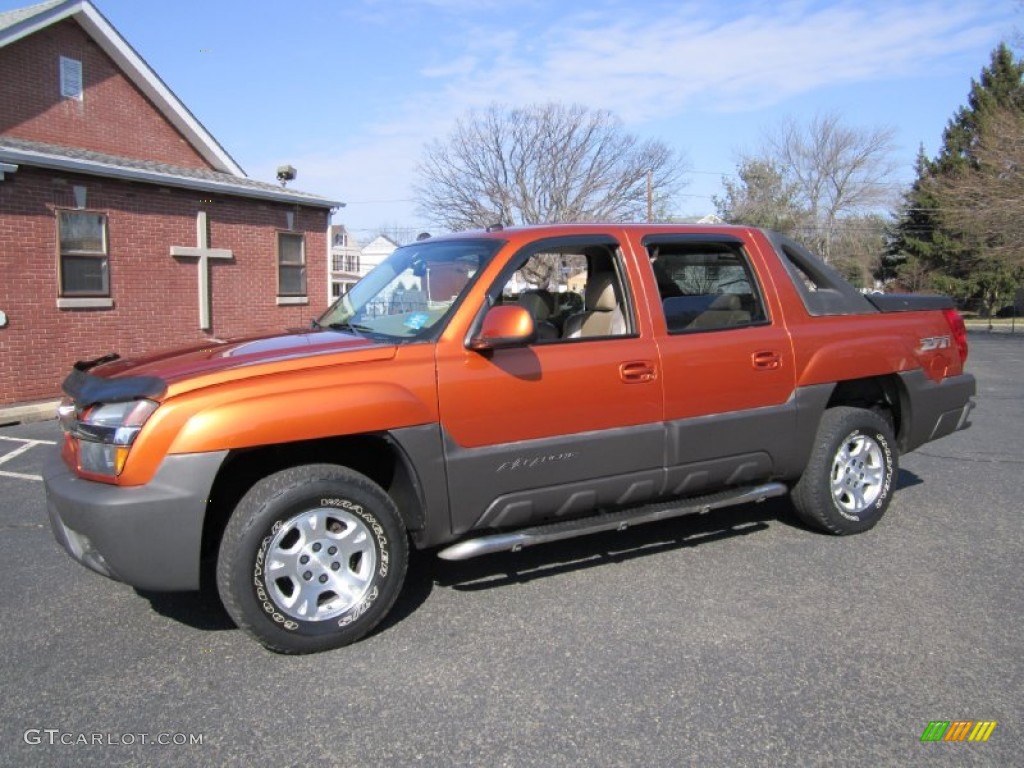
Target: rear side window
x,y
822,289
705,286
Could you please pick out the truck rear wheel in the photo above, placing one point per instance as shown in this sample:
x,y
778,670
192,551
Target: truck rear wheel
x,y
312,558
847,484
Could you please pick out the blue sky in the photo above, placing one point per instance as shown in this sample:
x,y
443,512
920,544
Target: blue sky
x,y
349,91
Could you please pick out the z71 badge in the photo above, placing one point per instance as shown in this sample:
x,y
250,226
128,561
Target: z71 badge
x,y
934,342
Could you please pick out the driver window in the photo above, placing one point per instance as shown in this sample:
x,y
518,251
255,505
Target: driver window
x,y
571,293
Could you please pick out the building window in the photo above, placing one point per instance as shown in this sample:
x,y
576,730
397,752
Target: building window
x,y
70,78
84,264
351,262
291,264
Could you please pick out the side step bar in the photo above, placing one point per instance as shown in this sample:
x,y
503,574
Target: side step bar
x,y
615,521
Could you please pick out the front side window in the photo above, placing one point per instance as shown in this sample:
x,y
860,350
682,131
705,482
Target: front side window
x,y
84,263
705,285
410,295
291,264
572,291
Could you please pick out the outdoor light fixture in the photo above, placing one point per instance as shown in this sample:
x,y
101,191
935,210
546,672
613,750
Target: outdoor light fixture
x,y
286,173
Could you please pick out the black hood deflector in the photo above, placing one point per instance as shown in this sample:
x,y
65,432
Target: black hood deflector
x,y
86,388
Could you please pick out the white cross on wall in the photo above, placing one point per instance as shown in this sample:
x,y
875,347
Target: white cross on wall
x,y
203,252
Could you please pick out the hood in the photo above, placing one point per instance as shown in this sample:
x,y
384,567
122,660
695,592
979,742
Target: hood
x,y
214,357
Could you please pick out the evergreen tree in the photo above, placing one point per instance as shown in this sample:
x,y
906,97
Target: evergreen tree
x,y
1001,85
910,244
921,240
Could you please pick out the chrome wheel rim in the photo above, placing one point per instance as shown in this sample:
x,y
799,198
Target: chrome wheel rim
x,y
320,563
858,473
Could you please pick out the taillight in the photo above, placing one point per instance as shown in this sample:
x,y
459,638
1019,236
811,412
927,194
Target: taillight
x,y
959,331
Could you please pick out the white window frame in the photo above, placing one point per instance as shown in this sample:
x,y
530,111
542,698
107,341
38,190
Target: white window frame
x,y
282,265
83,299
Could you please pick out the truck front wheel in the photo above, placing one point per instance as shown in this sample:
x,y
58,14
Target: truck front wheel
x,y
312,558
848,482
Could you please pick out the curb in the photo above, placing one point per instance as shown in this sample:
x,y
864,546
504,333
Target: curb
x,y
27,413
980,328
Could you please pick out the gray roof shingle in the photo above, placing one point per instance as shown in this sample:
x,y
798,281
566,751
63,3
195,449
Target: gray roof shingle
x,y
18,15
73,159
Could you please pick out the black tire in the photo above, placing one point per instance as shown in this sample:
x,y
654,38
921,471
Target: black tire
x,y
338,548
848,481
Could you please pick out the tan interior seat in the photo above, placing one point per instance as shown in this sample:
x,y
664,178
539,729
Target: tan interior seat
x,y
724,311
602,315
541,305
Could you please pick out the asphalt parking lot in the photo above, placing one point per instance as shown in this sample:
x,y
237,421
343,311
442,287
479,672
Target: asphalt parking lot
x,y
734,639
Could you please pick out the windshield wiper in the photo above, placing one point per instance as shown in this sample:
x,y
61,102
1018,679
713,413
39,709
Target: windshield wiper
x,y
348,325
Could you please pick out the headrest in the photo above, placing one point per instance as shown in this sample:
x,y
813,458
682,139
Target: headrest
x,y
600,292
538,302
729,302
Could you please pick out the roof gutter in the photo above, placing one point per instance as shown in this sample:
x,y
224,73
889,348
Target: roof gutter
x,y
92,168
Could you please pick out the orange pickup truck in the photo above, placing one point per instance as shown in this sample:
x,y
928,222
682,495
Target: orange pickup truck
x,y
488,391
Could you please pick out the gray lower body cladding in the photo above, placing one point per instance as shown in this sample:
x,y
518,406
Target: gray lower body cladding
x,y
509,486
935,409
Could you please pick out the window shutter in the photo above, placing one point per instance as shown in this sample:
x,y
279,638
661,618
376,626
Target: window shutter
x,y
70,78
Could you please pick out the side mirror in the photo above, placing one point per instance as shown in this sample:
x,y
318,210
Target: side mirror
x,y
504,326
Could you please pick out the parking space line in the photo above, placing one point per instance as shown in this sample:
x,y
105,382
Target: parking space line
x,y
16,452
26,445
20,475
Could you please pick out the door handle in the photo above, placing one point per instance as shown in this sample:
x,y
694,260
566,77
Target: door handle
x,y
766,360
637,372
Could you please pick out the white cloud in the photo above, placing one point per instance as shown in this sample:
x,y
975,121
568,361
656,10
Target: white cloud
x,y
462,66
645,63
637,62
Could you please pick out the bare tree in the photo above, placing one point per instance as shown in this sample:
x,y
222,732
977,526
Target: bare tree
x,y
857,248
398,233
541,164
837,171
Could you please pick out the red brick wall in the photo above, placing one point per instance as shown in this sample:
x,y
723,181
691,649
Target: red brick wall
x,y
113,116
155,295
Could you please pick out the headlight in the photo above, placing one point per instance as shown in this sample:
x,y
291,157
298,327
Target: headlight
x,y
104,433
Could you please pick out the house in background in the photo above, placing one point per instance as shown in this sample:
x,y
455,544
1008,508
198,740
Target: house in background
x,y
375,251
350,261
345,260
124,225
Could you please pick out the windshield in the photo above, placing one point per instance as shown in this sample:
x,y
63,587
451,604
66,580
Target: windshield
x,y
410,294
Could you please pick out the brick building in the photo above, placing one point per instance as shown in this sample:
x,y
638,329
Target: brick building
x,y
124,225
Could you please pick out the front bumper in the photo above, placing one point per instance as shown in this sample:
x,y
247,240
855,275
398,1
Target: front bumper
x,y
148,536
